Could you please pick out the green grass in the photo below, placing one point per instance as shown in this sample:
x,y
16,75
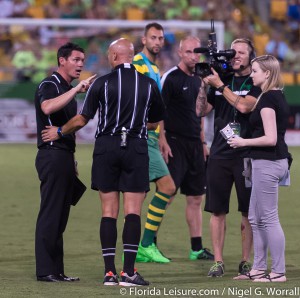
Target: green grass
x,y
19,204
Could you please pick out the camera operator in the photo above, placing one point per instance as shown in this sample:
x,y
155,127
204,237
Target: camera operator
x,y
232,100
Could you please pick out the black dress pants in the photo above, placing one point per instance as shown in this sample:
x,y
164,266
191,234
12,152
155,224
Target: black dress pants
x,y
56,172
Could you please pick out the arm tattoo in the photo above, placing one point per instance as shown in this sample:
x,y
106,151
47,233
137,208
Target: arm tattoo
x,y
201,103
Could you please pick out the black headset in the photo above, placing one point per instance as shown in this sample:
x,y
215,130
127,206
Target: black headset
x,y
252,54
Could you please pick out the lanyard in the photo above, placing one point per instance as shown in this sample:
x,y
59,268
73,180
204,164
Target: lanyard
x,y
153,75
241,88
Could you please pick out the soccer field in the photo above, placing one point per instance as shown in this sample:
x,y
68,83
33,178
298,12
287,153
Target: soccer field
x,y
19,205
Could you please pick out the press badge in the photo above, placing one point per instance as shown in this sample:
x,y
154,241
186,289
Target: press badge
x,y
230,130
236,127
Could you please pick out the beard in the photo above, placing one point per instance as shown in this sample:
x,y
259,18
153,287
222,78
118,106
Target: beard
x,y
152,52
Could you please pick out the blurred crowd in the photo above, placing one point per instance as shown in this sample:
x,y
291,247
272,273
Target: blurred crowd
x,y
29,53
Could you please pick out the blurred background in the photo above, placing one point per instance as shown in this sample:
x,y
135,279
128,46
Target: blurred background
x,y
32,30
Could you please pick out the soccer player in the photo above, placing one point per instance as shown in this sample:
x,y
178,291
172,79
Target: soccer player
x,y
153,41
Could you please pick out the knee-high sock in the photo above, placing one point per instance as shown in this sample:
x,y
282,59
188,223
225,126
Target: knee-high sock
x,y
108,238
156,211
131,238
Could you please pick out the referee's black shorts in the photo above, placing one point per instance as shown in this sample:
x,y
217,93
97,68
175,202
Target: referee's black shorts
x,y
187,166
221,174
120,169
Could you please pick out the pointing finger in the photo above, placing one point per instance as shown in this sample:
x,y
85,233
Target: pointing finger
x,y
91,78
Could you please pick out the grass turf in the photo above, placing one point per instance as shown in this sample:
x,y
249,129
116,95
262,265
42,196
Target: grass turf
x,y
19,204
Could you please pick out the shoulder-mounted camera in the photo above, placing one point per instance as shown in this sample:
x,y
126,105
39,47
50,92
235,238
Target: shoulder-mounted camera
x,y
218,60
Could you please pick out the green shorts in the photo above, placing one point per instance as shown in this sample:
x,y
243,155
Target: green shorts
x,y
157,166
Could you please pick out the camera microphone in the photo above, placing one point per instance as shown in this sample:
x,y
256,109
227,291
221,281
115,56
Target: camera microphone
x,y
242,67
227,53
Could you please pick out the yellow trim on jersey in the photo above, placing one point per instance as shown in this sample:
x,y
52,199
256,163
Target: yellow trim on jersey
x,y
141,68
157,130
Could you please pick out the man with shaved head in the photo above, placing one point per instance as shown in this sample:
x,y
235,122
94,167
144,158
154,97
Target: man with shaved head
x,y
182,139
126,101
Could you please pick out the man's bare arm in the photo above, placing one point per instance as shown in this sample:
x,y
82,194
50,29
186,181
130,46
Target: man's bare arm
x,y
152,126
50,133
202,106
244,106
74,124
53,105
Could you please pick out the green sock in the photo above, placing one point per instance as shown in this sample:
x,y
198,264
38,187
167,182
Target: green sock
x,y
156,211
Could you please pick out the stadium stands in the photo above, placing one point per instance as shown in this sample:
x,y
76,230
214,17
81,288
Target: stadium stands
x,y
278,9
239,20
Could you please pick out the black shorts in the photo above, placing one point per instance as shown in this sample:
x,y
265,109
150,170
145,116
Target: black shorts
x,y
187,166
120,169
221,174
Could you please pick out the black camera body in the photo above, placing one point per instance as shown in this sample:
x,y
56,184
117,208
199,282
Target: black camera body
x,y
221,64
218,60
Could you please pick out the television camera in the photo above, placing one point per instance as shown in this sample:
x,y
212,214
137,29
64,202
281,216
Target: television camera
x,y
218,60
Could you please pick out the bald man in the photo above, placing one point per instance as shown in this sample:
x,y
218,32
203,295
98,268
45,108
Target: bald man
x,y
182,140
126,101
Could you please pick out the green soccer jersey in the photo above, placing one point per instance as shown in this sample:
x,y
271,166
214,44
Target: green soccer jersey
x,y
142,66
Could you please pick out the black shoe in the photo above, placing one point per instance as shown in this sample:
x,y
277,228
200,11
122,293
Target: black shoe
x,y
217,269
49,278
63,277
110,279
244,268
131,281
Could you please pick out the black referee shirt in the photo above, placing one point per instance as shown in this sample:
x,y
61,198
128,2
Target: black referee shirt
x,y
51,87
124,98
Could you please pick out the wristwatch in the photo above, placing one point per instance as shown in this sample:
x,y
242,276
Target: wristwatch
x,y
61,135
221,88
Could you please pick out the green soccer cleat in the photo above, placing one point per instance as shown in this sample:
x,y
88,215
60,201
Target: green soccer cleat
x,y
150,254
202,254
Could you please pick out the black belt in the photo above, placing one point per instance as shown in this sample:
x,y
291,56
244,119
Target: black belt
x,y
49,147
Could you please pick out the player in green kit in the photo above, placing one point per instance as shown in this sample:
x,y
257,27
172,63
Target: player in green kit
x,y
144,62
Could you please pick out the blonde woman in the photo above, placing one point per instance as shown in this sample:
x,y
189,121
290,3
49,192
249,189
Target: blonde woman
x,y
269,158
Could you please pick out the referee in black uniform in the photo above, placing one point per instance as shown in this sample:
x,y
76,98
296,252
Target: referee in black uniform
x,y
55,104
126,100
